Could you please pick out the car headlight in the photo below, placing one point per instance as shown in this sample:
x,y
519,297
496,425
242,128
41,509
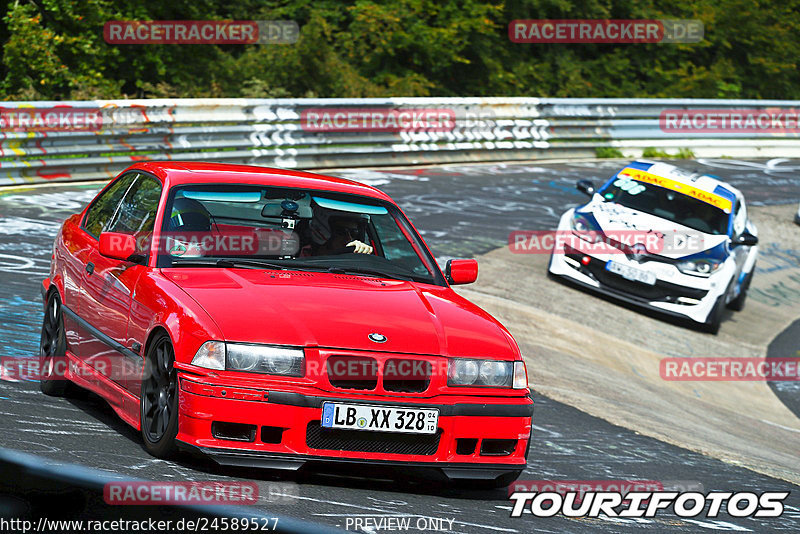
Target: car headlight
x,y
486,373
703,268
462,372
585,228
265,359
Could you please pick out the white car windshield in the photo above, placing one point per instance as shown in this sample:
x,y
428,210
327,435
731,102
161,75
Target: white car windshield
x,y
670,205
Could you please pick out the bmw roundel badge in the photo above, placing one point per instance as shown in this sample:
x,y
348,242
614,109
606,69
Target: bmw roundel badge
x,y
377,338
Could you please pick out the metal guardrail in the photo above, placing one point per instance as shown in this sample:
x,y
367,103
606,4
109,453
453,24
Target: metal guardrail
x,y
276,132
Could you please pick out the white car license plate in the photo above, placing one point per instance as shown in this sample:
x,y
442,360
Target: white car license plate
x,y
380,418
631,273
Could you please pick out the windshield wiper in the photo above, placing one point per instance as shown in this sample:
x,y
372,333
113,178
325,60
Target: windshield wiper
x,y
230,263
226,263
367,270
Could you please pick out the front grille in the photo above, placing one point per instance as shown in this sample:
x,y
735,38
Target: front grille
x,y
353,372
399,375
406,376
367,441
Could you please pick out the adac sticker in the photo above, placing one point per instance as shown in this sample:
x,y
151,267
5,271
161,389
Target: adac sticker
x,y
709,198
178,249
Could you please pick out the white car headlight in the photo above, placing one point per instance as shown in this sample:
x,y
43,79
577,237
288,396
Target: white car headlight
x,y
486,373
251,358
704,268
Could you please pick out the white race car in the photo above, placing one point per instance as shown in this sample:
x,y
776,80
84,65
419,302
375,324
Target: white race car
x,y
660,237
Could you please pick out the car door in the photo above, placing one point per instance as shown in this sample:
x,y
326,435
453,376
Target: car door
x,y
80,243
110,283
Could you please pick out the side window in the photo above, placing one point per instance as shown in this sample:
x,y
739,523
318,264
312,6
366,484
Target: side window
x,y
739,218
104,207
396,247
137,212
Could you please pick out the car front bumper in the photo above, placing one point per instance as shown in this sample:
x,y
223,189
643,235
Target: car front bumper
x,y
673,294
285,433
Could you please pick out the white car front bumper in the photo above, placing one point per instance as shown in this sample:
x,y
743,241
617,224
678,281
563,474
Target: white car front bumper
x,y
674,292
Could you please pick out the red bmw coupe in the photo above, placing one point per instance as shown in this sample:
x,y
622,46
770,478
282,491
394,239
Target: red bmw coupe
x,y
267,317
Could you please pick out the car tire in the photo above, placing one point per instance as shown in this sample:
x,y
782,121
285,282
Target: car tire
x,y
737,304
714,319
53,350
159,399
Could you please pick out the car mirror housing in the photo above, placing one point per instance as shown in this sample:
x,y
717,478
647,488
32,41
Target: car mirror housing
x,y
117,246
586,187
461,271
747,239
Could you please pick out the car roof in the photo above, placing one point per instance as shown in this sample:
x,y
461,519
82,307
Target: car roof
x,y
704,182
174,173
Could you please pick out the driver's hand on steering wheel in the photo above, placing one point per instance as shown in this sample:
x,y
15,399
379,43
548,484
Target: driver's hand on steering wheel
x,y
361,248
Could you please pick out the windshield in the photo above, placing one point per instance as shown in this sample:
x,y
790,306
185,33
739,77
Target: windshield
x,y
667,204
257,226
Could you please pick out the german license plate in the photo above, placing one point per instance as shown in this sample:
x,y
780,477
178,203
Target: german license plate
x,y
380,418
631,273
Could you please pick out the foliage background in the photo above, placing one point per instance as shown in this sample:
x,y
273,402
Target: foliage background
x,y
54,50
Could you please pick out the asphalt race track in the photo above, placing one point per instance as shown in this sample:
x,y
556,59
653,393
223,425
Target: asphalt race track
x,y
461,211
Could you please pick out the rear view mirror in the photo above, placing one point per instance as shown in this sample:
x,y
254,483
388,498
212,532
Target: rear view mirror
x,y
117,246
747,239
461,271
586,187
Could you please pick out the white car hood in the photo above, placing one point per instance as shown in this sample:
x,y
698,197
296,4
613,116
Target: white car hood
x,y
672,240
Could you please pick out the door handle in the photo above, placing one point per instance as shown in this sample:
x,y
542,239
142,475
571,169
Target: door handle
x,y
90,268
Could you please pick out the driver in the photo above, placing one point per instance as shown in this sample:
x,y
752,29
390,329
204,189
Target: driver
x,y
330,233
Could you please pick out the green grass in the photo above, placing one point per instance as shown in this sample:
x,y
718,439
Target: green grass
x,y
683,153
608,152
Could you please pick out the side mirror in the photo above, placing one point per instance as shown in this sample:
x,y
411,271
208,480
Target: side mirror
x,y
747,239
117,246
461,271
585,186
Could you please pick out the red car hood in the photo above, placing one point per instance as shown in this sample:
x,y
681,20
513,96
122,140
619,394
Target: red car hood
x,y
340,311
